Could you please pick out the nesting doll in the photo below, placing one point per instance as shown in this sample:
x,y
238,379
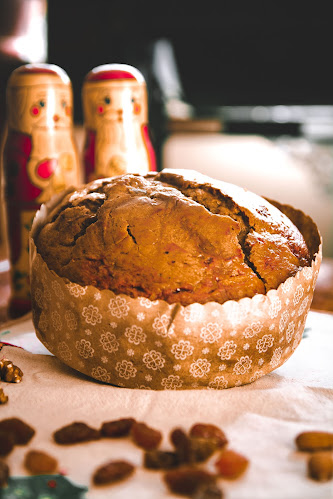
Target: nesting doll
x,y
40,157
115,106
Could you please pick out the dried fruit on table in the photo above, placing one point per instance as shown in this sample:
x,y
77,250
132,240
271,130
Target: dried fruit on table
x,y
75,432
21,431
39,462
320,466
192,450
188,480
4,473
209,431
208,491
313,441
7,443
160,460
3,397
117,428
112,472
9,372
145,437
231,464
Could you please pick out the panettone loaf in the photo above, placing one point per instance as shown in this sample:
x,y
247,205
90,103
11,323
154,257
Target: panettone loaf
x,y
175,235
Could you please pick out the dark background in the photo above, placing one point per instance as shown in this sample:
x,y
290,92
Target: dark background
x,y
228,53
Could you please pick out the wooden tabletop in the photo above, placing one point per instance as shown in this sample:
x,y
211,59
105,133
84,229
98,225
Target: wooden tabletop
x,y
322,299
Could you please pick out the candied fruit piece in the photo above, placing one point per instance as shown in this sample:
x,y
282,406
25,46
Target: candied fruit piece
x,y
75,432
21,431
231,464
112,472
40,463
209,431
313,441
160,460
7,442
117,428
187,480
4,473
145,437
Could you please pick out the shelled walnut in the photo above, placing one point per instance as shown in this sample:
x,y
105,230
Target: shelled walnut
x,y
9,372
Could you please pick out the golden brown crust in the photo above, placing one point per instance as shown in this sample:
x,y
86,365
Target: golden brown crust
x,y
176,236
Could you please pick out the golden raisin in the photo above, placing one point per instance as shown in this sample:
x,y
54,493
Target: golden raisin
x,y
38,462
313,441
210,431
112,472
231,464
74,433
144,436
320,466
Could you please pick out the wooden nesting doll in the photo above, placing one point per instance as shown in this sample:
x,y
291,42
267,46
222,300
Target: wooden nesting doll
x,y
116,122
40,158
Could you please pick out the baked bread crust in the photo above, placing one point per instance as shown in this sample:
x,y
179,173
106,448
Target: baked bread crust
x,y
175,235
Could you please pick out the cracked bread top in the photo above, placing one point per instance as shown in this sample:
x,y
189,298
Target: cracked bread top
x,y
175,235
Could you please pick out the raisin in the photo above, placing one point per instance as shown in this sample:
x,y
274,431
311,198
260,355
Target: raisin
x,y
187,480
4,473
160,460
144,436
192,450
38,463
117,428
210,491
231,465
74,433
210,431
20,430
112,472
7,442
3,397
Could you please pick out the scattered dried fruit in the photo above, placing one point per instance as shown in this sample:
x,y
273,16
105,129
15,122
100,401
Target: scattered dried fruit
x,y
144,436
320,466
21,431
231,464
160,460
313,441
7,442
3,397
117,428
4,473
188,480
210,491
209,431
112,472
192,450
74,433
39,463
9,372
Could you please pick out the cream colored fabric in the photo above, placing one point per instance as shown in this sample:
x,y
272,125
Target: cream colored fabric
x,y
260,420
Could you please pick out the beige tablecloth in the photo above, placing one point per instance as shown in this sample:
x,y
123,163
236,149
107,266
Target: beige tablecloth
x,y
260,420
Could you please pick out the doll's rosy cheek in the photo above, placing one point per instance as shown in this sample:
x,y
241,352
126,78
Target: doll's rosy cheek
x,y
100,109
34,110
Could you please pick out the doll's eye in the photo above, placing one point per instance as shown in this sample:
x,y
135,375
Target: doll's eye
x,y
107,100
42,103
63,103
133,100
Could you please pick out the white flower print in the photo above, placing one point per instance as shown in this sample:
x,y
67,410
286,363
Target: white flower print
x,y
227,350
303,306
200,368
298,294
172,382
158,344
76,290
57,290
274,307
222,367
91,315
84,348
64,351
246,346
148,377
218,383
211,332
205,351
145,302
101,374
97,295
182,349
260,362
56,320
276,357
130,352
187,331
283,320
126,369
252,329
141,317
290,331
135,334
257,375
162,326
192,313
109,342
243,365
177,367
153,360
118,307
265,343
39,298
104,359
307,272
70,320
